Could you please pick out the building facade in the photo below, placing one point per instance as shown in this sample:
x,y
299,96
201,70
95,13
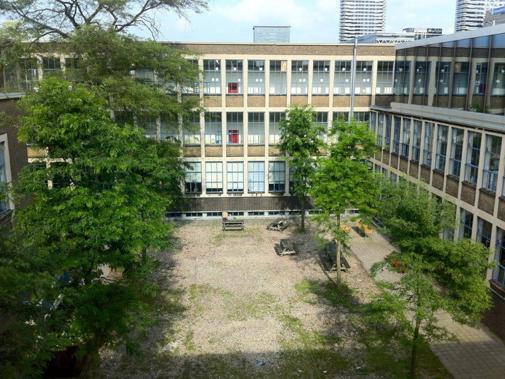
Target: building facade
x,y
360,17
470,14
495,16
421,33
446,128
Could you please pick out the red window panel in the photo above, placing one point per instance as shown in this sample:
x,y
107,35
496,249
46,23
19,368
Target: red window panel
x,y
232,87
233,136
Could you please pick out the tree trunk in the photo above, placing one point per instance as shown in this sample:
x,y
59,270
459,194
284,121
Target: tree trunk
x,y
302,227
413,356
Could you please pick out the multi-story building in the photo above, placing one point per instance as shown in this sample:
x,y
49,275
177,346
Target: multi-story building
x,y
470,14
446,128
495,16
272,34
360,17
421,33
245,89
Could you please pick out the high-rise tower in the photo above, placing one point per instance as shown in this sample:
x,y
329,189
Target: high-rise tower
x,y
470,13
359,17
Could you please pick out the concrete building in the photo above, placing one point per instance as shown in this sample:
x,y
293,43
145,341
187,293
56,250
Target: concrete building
x,y
361,17
446,128
495,16
272,34
408,34
470,14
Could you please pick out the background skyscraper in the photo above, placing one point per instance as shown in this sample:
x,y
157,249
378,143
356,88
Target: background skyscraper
x,y
470,13
359,17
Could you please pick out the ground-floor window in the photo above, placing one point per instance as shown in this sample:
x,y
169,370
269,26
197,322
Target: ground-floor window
x,y
256,177
193,180
466,222
484,231
276,176
214,177
4,205
499,271
235,176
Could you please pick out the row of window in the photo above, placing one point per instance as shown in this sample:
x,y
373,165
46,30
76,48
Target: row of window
x,y
299,85
168,129
461,74
428,143
235,177
27,74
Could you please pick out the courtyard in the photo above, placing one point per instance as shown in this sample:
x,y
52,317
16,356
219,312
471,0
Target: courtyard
x,y
232,308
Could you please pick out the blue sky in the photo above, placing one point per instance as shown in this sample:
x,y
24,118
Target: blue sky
x,y
311,20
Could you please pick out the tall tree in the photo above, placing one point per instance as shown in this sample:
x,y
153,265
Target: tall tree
x,y
344,181
301,141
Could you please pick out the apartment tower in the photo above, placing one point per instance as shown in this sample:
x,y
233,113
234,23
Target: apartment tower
x,y
470,14
359,17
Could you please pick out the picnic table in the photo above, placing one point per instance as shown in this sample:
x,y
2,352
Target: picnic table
x,y
231,224
285,247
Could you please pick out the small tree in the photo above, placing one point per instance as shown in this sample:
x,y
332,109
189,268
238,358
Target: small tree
x,y
344,180
413,301
301,142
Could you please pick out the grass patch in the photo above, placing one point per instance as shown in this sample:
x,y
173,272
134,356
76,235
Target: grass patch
x,y
331,293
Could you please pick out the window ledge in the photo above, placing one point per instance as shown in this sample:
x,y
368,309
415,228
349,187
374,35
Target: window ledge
x,y
468,184
487,191
438,171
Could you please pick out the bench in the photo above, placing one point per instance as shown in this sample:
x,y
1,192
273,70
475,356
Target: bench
x,y
233,225
330,255
278,225
285,247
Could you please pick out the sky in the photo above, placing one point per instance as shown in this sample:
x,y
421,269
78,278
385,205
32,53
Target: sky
x,y
310,20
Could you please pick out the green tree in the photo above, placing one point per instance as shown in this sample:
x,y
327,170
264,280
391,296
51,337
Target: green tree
x,y
301,142
344,181
412,302
104,208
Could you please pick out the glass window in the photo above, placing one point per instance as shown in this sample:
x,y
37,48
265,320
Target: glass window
x,y
322,119
234,77
405,140
299,77
421,78
443,74
342,81
29,73
466,224
484,232
150,127
498,80
402,78
235,176
396,135
51,66
499,271
213,128
456,152
385,74
274,137
389,120
380,130
278,77
461,71
363,84
321,78
234,126
191,87
479,87
191,130
193,177
256,177
416,143
491,162
169,128
256,78
73,69
276,176
441,147
472,157
428,143
256,128
361,116
214,177
340,116
4,205
373,122
212,76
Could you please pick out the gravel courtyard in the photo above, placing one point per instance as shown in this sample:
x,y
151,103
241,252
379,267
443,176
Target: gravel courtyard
x,y
237,310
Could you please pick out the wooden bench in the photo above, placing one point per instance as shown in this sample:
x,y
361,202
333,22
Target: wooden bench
x,y
233,225
285,247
